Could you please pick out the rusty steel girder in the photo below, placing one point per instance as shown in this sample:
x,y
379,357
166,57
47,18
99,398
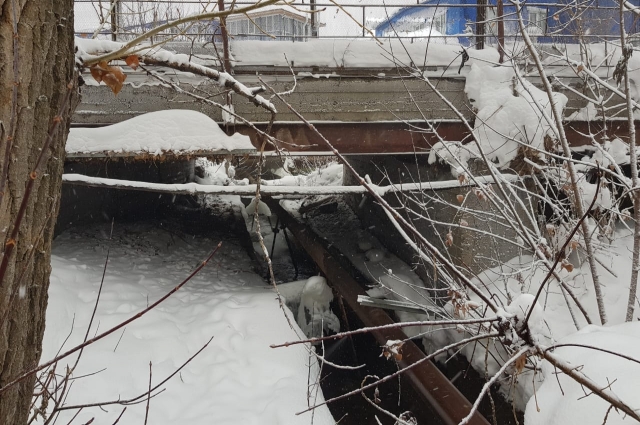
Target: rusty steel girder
x,y
399,137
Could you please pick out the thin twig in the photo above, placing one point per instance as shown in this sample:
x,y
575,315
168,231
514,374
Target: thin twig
x,y
400,371
602,392
389,326
95,305
137,399
146,412
560,253
487,386
124,50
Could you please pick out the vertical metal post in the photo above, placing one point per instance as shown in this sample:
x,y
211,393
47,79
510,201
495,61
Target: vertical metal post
x,y
364,23
481,17
500,13
314,20
115,11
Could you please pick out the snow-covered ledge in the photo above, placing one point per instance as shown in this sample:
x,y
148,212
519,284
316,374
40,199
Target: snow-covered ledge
x,y
173,132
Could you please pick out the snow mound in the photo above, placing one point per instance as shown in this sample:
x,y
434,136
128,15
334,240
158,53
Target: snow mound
x,y
550,321
155,133
561,400
507,115
510,114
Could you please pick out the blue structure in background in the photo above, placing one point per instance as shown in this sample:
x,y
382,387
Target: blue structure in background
x,y
546,21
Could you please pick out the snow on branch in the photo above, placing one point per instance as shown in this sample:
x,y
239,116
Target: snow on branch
x,y
88,51
250,190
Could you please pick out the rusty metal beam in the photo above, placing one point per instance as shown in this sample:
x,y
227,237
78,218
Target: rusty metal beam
x,y
360,137
398,137
425,377
389,137
578,131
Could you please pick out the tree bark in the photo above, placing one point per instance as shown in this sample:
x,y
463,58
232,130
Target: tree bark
x,y
45,65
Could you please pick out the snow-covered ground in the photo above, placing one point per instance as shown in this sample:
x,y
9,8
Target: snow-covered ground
x,y
523,275
237,379
561,400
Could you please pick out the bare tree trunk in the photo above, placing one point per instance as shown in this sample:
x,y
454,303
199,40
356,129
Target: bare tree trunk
x,y
44,63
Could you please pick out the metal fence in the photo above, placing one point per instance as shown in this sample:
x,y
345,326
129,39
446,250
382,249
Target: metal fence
x,y
441,22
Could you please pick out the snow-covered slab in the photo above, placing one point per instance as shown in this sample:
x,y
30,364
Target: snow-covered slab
x,y
353,54
169,132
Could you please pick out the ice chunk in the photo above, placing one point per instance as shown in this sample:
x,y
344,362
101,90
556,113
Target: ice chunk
x,y
263,209
314,312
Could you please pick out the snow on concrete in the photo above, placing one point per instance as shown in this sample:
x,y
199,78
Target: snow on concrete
x,y
237,379
428,35
509,112
611,152
604,200
587,113
155,133
590,60
354,54
601,56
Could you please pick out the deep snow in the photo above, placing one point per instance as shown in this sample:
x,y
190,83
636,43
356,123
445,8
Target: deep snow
x,y
237,379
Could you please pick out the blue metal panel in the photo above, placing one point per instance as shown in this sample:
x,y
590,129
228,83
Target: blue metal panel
x,y
561,23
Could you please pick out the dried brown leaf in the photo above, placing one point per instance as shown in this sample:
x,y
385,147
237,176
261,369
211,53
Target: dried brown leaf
x,y
448,241
567,265
521,362
113,82
133,61
96,73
